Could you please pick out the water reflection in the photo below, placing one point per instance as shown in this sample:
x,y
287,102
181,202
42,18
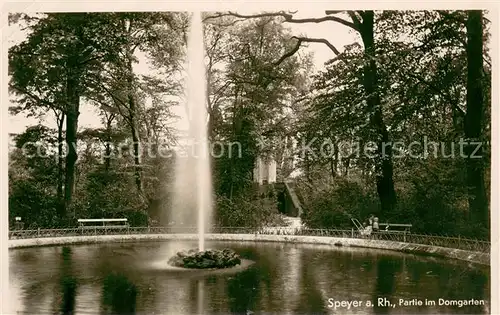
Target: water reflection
x,y
386,284
285,279
201,297
243,291
68,283
119,295
311,299
478,291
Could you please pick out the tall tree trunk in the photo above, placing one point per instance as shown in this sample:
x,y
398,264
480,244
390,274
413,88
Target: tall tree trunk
x,y
333,169
60,164
128,25
334,162
478,204
133,123
235,125
347,166
73,105
107,159
210,109
307,159
384,167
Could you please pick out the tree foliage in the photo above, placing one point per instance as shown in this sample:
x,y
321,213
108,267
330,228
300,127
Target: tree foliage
x,y
410,77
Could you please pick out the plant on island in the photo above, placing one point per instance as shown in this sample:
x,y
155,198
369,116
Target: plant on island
x,y
209,259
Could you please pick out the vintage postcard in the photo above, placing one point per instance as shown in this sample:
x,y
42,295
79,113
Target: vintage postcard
x,y
249,158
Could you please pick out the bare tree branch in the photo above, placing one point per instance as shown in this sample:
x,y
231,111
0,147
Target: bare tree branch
x,y
288,54
301,40
355,19
330,12
319,40
288,18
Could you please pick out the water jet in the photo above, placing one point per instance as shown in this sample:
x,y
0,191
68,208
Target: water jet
x,y
193,172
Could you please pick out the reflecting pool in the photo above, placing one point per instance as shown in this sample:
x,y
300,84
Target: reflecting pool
x,y
133,278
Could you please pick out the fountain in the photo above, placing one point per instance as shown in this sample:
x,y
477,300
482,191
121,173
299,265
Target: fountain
x,y
193,171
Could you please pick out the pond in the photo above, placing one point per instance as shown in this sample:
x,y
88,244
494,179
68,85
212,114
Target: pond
x,y
133,278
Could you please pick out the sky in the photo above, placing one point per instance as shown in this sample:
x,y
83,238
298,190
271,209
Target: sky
x,y
335,33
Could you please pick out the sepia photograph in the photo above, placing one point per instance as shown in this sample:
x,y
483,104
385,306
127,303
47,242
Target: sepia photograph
x,y
249,161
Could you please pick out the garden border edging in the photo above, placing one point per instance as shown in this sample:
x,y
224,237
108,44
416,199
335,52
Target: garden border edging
x,y
420,249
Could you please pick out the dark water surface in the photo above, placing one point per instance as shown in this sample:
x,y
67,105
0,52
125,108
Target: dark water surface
x,y
132,278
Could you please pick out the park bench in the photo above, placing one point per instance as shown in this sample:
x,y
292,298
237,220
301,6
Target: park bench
x,y
395,226
103,223
392,228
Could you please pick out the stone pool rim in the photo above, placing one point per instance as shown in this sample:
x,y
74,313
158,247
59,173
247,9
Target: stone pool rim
x,y
410,248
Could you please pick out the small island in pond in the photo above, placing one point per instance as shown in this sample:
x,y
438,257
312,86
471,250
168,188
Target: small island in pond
x,y
209,259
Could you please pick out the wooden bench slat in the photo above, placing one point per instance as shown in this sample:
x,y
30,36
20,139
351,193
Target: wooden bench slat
x,y
102,227
101,220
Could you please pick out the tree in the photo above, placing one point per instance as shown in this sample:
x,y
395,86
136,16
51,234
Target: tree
x,y
439,87
51,68
478,204
384,167
363,23
160,37
262,98
250,91
423,101
67,60
32,174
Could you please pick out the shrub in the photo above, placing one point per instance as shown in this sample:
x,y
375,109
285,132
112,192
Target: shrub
x,y
334,206
209,259
433,197
247,211
110,195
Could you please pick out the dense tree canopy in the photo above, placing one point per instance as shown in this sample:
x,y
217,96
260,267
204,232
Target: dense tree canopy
x,y
376,129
